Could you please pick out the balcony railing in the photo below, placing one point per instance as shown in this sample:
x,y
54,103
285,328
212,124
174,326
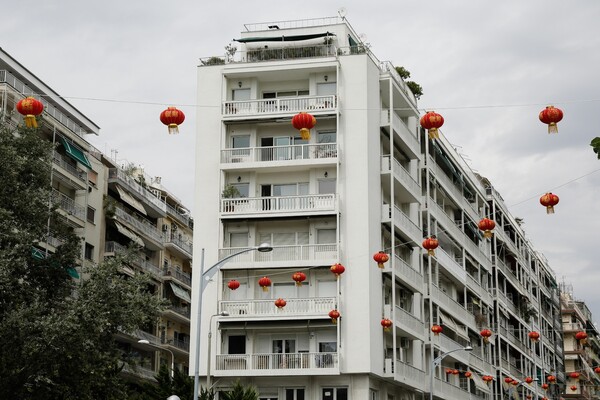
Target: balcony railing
x,y
284,105
450,264
285,53
448,344
143,226
452,306
178,274
451,392
504,299
305,252
480,291
262,364
265,308
279,204
406,319
68,205
78,173
387,66
114,247
408,274
280,153
402,174
131,184
183,311
184,219
180,344
185,246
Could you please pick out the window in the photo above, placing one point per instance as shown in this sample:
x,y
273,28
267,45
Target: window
x,y
289,291
327,137
327,186
91,213
240,94
373,394
92,177
326,236
237,344
89,252
294,394
287,93
326,89
243,188
334,394
240,142
238,239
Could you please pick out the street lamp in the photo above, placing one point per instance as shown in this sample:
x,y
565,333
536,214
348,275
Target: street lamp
x,y
437,361
205,276
511,387
147,343
221,314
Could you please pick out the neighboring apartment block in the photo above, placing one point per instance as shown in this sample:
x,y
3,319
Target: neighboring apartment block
x,y
112,206
368,179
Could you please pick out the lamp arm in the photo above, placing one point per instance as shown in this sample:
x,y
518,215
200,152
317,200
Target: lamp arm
x,y
216,266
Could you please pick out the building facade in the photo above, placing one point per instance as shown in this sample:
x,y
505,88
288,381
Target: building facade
x,y
367,180
111,206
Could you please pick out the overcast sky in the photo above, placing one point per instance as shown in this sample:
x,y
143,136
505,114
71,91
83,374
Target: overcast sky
x,y
487,67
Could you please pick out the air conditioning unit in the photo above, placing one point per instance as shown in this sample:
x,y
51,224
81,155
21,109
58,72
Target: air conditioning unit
x,y
404,343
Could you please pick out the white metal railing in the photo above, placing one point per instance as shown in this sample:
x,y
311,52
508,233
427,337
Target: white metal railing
x,y
387,66
283,105
280,153
295,23
144,226
483,294
408,274
408,373
133,185
278,204
276,361
68,205
572,326
406,177
77,172
403,221
450,264
507,302
285,53
178,274
450,392
185,219
306,306
452,188
185,246
510,276
304,252
404,318
452,306
448,344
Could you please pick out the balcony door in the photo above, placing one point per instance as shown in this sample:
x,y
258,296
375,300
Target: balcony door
x,y
282,353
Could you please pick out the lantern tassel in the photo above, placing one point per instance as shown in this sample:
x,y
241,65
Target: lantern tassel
x,y
305,134
431,252
173,129
333,320
487,234
380,265
298,283
265,288
433,133
552,127
550,210
30,121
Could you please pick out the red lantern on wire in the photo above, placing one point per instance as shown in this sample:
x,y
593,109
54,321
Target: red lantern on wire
x,y
487,226
334,315
597,370
534,336
386,323
486,334
551,116
430,244
487,378
551,378
30,107
264,283
280,303
432,121
455,372
544,386
468,374
172,117
528,379
574,388
436,329
581,336
508,380
233,284
448,371
299,277
381,258
304,122
549,200
574,375
337,269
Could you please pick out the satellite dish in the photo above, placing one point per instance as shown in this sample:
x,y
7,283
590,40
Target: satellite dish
x,y
363,37
342,12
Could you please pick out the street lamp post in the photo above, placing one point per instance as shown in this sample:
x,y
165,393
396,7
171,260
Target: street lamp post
x,y
147,343
511,387
222,314
437,361
204,278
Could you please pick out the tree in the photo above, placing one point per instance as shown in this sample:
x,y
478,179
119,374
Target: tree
x,y
596,146
240,392
414,87
58,339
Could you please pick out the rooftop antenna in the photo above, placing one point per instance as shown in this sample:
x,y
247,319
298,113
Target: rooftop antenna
x,y
342,13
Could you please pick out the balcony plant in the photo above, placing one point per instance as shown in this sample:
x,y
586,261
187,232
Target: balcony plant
x,y
230,192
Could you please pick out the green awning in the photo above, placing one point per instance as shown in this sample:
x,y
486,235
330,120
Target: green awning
x,y
291,38
352,41
76,153
73,272
181,293
443,159
40,255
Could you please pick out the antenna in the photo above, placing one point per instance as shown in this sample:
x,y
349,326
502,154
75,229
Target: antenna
x,y
342,12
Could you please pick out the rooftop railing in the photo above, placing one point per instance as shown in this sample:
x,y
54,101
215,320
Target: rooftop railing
x,y
133,185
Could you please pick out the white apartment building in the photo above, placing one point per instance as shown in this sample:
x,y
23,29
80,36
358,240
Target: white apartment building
x,y
367,180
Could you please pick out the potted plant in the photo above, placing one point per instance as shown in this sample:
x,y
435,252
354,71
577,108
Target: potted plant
x,y
229,192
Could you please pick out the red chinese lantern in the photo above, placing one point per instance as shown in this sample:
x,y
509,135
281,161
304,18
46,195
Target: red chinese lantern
x,y
487,226
549,200
304,122
486,334
30,108
337,269
544,386
299,277
386,323
172,117
448,371
432,121
381,258
529,397
574,388
430,244
534,336
508,380
334,315
436,329
528,379
515,382
597,370
581,336
551,116
264,282
487,378
280,303
455,372
574,375
233,284
544,398
468,374
551,378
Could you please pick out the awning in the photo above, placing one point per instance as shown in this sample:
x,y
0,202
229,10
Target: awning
x,y
73,272
131,235
479,383
447,321
40,255
470,225
291,38
181,293
76,153
129,199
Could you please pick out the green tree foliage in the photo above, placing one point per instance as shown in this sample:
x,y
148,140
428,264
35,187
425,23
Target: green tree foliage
x,y
57,338
414,87
240,392
596,146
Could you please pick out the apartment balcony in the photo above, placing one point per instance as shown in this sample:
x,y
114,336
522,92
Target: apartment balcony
x,y
408,140
572,327
113,248
154,206
248,207
287,52
406,374
453,307
284,256
278,107
177,313
451,264
480,291
506,301
407,274
74,212
476,361
510,276
151,236
405,321
178,276
185,219
448,391
315,307
181,248
177,346
73,177
408,182
410,229
277,364
503,236
512,339
313,155
447,344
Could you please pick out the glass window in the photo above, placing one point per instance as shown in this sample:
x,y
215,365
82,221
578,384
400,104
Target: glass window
x,y
327,186
285,190
326,137
238,239
294,394
326,236
91,214
239,142
89,252
243,188
240,94
334,394
326,89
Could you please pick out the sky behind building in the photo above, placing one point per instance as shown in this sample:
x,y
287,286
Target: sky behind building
x,y
488,68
